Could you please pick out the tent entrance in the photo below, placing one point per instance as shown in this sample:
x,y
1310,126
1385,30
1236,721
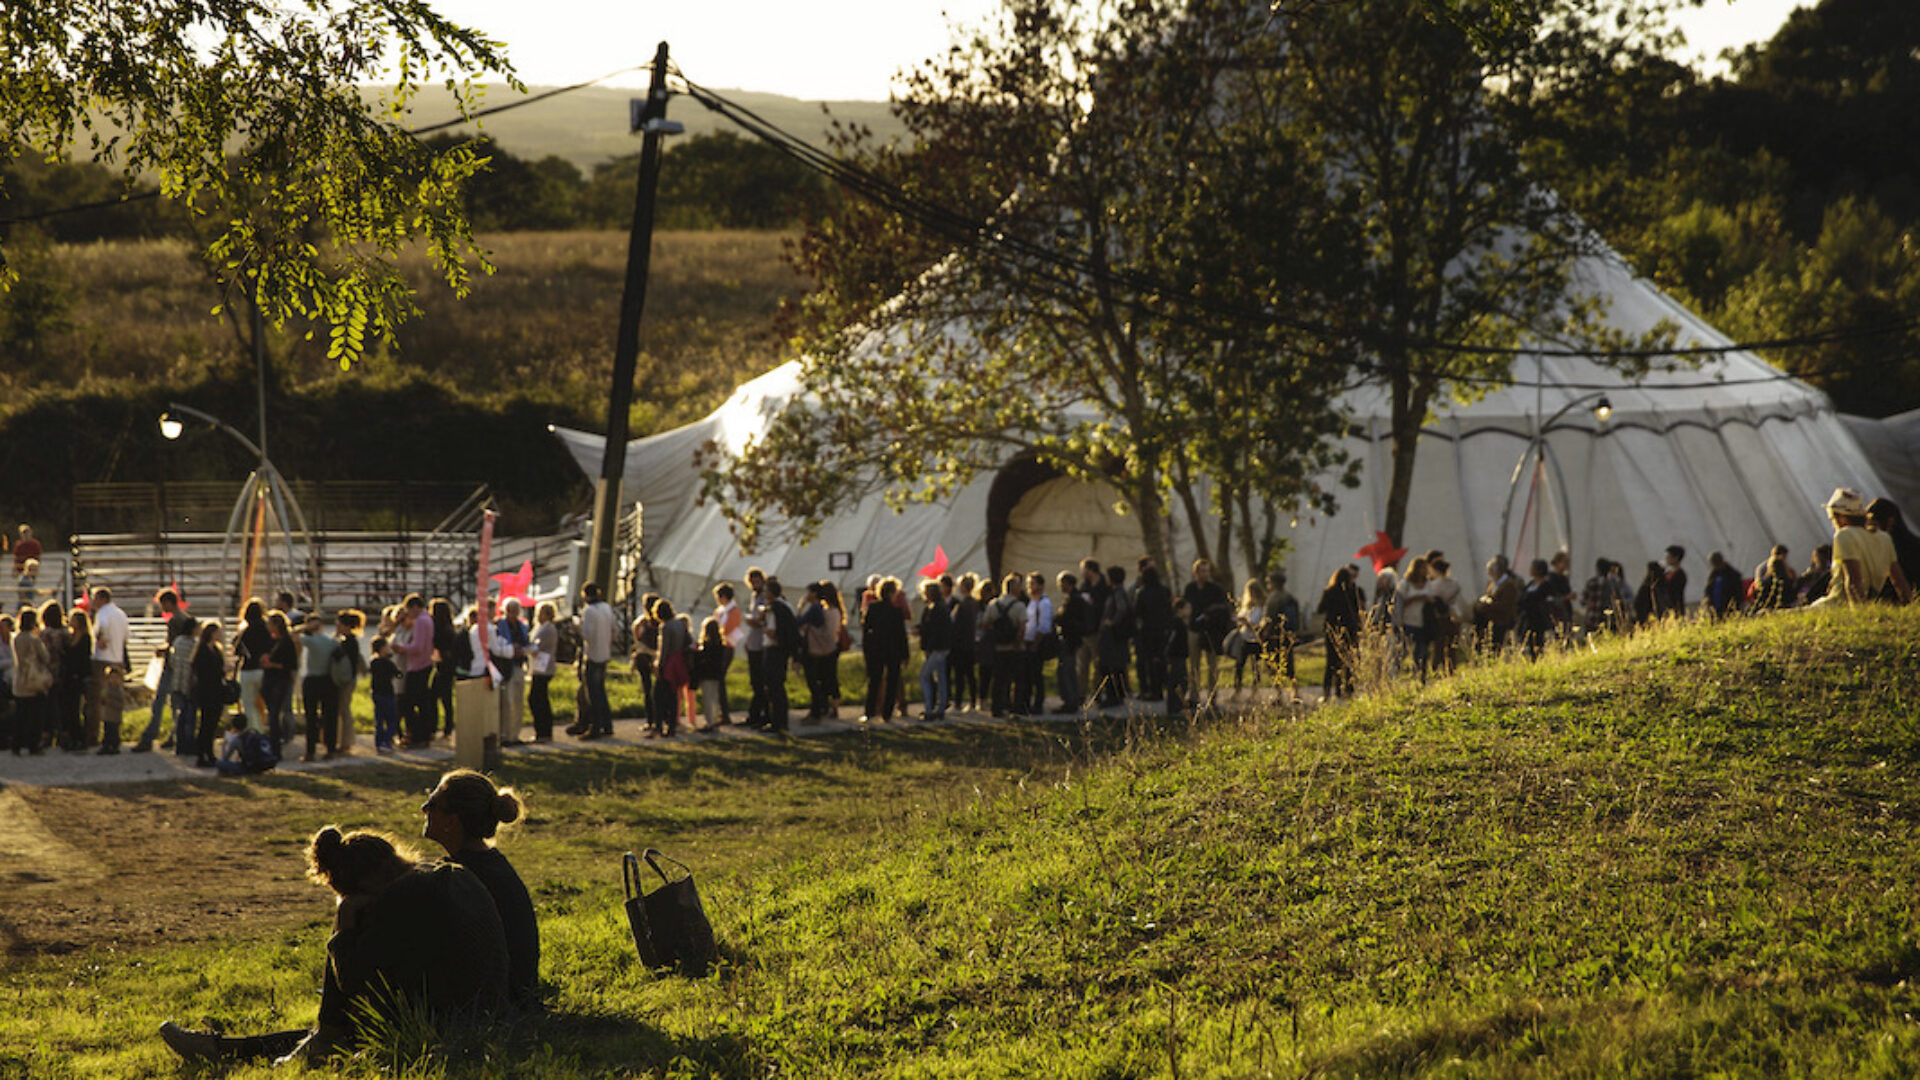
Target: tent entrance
x,y
1040,520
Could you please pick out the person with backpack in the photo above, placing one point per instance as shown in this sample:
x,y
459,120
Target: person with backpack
x,y
246,750
1210,619
1006,620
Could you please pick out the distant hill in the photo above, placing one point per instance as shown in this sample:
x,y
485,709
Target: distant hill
x,y
589,126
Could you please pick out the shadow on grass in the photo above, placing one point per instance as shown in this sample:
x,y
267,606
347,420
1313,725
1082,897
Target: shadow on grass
x,y
1013,745
578,1043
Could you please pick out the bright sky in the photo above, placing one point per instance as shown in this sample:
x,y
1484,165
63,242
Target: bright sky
x,y
828,49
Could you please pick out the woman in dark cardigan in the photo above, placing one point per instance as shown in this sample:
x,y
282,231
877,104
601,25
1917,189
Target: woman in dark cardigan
x,y
463,814
406,935
883,640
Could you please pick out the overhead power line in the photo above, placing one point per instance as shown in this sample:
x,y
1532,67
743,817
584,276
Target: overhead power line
x,y
979,234
416,132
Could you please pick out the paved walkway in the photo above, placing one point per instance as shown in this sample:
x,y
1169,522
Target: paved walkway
x,y
58,768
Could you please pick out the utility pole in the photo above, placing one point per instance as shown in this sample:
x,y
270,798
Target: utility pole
x,y
650,118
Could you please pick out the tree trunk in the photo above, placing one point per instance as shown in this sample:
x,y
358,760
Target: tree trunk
x,y
1152,512
1410,397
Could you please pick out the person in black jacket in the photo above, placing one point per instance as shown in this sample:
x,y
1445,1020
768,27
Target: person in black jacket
x,y
883,640
209,691
1153,614
1173,657
1340,612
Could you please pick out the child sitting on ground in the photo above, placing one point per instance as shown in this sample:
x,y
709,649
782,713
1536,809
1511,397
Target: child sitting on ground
x,y
244,751
386,707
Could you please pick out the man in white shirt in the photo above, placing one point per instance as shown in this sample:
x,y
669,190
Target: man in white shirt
x,y
1038,642
106,688
1863,560
596,642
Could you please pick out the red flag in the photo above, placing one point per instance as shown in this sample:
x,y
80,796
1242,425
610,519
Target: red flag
x,y
517,585
175,585
939,564
1382,552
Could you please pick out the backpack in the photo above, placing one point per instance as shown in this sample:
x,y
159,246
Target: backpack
x,y
256,752
462,653
786,627
1001,629
566,648
1123,622
344,664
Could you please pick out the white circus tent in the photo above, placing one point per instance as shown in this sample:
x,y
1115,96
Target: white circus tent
x,y
1730,456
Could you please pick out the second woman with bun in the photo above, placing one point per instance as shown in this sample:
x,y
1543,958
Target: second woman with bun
x,y
463,813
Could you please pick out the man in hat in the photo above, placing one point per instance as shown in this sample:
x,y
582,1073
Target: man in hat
x,y
1863,560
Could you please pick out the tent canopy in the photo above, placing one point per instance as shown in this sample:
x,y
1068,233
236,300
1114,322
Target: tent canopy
x,y
1729,456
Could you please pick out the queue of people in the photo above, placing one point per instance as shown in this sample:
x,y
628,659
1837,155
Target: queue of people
x,y
1873,558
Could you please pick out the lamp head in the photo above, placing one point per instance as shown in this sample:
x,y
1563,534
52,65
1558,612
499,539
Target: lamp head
x,y
1603,410
170,427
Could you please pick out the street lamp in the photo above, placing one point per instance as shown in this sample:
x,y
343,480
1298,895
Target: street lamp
x,y
264,488
1538,449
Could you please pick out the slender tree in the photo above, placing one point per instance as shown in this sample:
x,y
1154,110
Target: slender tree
x,y
247,110
1126,237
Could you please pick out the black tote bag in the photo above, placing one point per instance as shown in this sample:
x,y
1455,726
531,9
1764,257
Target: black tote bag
x,y
670,928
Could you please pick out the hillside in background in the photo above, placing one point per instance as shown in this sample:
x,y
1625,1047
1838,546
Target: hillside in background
x,y
589,126
128,328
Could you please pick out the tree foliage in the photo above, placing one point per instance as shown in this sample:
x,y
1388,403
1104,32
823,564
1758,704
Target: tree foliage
x,y
1125,230
245,113
1778,201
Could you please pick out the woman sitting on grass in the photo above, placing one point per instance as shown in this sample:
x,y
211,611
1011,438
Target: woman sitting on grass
x,y
463,814
407,936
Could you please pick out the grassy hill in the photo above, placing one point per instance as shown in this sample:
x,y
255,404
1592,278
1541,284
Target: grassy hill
x,y
531,345
589,126
1687,854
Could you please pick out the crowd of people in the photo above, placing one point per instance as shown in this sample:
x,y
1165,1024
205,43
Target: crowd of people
x,y
984,644
1103,635
1873,557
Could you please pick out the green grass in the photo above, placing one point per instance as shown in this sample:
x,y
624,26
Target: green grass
x,y
1686,854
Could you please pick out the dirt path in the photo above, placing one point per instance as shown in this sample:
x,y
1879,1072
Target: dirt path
x,y
134,850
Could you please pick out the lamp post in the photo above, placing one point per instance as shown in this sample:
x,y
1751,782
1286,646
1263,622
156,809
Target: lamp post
x,y
264,487
1538,449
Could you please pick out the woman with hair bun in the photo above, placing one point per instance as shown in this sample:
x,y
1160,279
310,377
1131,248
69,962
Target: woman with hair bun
x,y
406,935
463,813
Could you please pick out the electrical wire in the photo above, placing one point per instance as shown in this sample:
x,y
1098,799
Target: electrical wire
x,y
979,234
416,132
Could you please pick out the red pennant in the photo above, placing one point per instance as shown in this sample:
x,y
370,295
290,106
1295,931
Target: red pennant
x,y
939,564
1381,551
517,585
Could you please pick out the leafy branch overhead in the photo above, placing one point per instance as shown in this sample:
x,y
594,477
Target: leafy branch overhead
x,y
1199,225
246,113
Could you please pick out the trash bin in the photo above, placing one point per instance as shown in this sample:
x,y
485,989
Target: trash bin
x,y
476,725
